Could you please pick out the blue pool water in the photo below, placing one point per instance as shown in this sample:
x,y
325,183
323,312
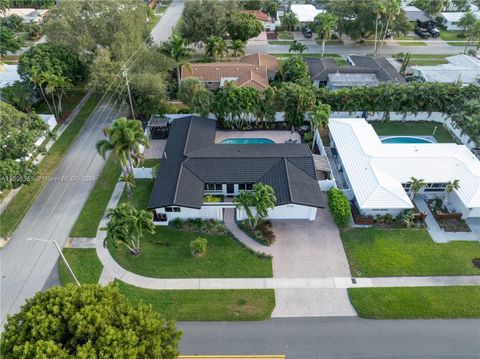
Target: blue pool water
x,y
404,139
246,141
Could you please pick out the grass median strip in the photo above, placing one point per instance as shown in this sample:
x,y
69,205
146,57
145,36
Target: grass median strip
x,y
24,199
85,264
93,210
229,305
375,252
416,302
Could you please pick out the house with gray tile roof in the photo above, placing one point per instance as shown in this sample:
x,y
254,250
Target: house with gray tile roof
x,y
193,166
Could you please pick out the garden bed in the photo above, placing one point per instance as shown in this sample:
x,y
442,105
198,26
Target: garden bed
x,y
263,233
448,221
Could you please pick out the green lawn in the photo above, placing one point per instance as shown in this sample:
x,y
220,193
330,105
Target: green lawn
x,y
167,254
21,203
462,43
140,193
153,21
279,56
280,42
244,304
418,128
85,264
411,43
448,35
375,252
427,62
89,219
416,302
330,42
423,56
285,35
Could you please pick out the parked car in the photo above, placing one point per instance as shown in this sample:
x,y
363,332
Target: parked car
x,y
434,31
307,33
423,33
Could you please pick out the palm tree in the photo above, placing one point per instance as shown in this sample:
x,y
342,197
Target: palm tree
x,y
297,46
215,47
451,185
176,48
129,180
289,21
262,198
415,186
319,118
126,225
237,47
393,9
124,138
324,24
466,23
379,9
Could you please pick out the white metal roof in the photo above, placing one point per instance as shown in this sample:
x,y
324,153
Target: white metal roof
x,y
376,171
455,16
305,12
459,68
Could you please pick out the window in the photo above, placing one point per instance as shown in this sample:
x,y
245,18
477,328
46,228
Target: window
x,y
379,209
406,186
435,187
245,186
172,209
213,187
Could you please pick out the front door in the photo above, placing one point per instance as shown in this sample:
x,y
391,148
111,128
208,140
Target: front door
x,y
230,189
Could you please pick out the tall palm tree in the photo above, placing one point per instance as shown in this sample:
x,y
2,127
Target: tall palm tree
x,y
129,180
324,24
379,10
124,139
176,48
415,186
319,118
297,46
262,198
237,47
127,225
393,9
289,21
451,186
215,47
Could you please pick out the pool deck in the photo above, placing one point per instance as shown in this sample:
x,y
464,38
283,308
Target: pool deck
x,y
276,136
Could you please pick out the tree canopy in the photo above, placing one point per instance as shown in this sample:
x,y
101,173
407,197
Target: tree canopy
x,y
242,26
87,322
9,41
294,69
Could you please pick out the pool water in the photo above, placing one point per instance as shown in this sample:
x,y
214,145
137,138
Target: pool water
x,y
404,139
246,141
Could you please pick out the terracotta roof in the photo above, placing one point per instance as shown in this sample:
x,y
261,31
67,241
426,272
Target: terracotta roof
x,y
245,74
260,15
259,59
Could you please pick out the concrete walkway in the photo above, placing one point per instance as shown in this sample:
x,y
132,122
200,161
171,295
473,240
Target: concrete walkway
x,y
438,234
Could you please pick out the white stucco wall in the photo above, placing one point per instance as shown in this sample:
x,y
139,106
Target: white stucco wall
x,y
458,205
288,211
205,212
393,211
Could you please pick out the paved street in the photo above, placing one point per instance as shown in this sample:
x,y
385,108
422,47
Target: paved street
x,y
163,30
323,338
27,264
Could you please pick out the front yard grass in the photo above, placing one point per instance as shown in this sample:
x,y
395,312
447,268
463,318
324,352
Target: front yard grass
x,y
285,35
89,219
140,193
225,305
23,200
449,35
280,42
411,43
376,252
416,302
167,254
85,264
417,128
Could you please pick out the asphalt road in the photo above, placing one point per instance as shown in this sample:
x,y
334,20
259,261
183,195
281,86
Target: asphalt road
x,y
26,264
322,338
163,30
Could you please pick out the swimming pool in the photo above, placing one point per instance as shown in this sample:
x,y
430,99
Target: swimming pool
x,y
404,139
246,141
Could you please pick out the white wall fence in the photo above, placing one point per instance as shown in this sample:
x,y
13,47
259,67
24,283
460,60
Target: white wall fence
x,y
143,173
327,184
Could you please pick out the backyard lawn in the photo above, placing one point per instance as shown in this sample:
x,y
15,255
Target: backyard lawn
x,y
85,264
245,304
375,252
416,302
21,203
93,210
417,128
166,254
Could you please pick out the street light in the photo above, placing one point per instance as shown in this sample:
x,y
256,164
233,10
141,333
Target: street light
x,y
61,255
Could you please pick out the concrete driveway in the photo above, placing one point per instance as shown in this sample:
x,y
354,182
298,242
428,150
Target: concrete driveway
x,y
310,249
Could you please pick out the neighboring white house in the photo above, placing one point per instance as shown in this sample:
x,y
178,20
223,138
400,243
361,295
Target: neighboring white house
x,y
379,173
451,19
8,75
27,14
462,68
305,13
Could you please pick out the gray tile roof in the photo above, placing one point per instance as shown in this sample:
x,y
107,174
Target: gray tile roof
x,y
191,159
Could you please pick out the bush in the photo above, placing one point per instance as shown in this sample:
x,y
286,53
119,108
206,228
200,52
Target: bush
x,y
339,206
210,226
198,246
262,234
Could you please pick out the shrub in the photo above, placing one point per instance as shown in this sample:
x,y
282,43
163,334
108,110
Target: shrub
x,y
339,206
198,246
211,199
308,136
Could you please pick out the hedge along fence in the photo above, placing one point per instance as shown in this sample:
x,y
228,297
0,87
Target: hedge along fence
x,y
339,206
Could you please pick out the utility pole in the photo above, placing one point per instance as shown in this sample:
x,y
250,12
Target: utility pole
x,y
125,74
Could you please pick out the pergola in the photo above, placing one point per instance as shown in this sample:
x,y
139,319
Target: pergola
x,y
158,127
